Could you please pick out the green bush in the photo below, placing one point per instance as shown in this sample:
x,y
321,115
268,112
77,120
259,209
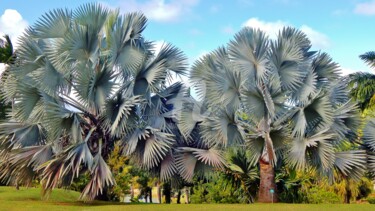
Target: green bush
x,y
319,196
215,192
371,200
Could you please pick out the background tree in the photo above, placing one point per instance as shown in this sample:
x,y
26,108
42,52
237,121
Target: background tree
x,y
7,57
298,111
362,84
363,91
121,169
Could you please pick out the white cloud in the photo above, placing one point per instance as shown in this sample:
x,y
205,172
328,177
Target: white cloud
x,y
365,8
346,71
271,28
160,10
318,39
12,23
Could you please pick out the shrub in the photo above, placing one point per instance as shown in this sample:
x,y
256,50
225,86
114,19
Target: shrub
x,y
318,196
371,200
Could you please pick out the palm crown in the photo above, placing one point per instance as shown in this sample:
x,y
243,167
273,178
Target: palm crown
x,y
83,80
282,100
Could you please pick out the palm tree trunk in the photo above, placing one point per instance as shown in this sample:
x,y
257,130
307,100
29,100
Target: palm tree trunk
x,y
179,196
187,198
150,192
348,192
131,192
167,192
267,183
158,192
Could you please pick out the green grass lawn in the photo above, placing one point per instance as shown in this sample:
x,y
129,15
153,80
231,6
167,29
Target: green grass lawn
x,y
29,199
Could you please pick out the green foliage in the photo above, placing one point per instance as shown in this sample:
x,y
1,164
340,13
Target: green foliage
x,y
371,200
321,196
309,187
365,187
121,169
7,57
79,183
4,109
362,89
293,185
217,191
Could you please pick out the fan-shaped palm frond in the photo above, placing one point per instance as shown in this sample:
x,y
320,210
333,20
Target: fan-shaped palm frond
x,y
168,167
101,178
297,156
288,57
84,79
222,129
351,163
250,50
369,134
368,58
192,161
22,135
346,121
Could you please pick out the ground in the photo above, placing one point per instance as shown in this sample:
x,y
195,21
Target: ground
x,y
29,199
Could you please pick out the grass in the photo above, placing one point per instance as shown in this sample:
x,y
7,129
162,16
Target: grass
x,y
29,199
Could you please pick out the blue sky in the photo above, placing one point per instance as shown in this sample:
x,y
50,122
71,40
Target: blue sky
x,y
343,28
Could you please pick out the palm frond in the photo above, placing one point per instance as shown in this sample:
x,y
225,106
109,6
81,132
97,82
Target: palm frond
x,y
53,24
297,155
192,161
288,58
168,167
156,148
185,163
249,51
346,121
325,68
362,89
101,177
369,134
351,163
368,58
158,70
22,134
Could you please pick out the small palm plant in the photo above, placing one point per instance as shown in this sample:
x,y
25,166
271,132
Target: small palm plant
x,y
297,109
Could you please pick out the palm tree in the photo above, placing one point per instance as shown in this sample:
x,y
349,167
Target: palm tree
x,y
369,58
7,57
84,79
363,91
298,111
363,84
